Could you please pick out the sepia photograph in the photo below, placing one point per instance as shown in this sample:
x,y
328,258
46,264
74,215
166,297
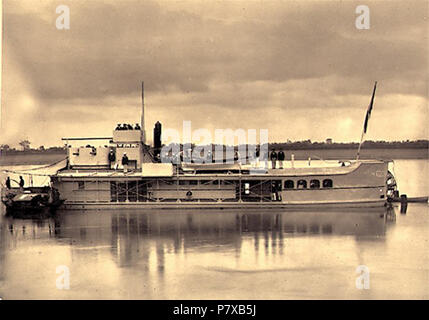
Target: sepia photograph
x,y
230,152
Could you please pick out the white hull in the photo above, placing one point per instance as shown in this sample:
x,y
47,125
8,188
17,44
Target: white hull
x,y
362,184
202,205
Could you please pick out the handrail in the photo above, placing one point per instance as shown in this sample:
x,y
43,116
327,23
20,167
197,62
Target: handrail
x,y
89,138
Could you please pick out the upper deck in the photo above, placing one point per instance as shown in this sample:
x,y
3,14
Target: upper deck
x,y
228,171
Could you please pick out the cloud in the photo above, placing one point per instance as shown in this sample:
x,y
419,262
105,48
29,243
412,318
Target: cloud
x,y
215,58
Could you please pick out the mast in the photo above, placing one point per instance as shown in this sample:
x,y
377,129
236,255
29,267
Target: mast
x,y
365,125
142,117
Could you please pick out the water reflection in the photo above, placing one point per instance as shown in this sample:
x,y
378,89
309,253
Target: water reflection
x,y
134,237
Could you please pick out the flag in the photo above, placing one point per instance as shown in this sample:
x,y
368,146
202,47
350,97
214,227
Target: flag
x,y
368,113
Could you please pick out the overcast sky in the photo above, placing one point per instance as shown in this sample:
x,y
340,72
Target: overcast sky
x,y
300,69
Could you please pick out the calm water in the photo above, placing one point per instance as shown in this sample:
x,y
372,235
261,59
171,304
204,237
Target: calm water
x,y
223,254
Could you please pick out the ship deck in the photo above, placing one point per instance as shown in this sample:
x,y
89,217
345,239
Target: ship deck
x,y
243,171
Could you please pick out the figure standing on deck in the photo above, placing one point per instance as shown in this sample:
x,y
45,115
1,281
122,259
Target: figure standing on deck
x,y
237,157
281,156
21,183
273,158
8,183
255,160
112,159
125,162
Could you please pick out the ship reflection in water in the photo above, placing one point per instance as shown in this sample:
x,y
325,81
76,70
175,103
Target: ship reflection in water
x,y
198,255
134,235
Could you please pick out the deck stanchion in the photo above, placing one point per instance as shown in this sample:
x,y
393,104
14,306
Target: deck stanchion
x,y
404,203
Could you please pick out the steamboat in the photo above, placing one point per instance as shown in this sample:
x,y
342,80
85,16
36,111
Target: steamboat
x,y
96,178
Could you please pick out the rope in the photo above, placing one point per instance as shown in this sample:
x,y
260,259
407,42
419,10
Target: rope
x,y
47,166
24,173
33,169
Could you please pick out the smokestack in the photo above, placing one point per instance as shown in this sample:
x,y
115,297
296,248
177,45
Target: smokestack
x,y
142,117
157,135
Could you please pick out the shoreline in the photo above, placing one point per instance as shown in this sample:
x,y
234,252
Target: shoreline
x,y
302,154
31,159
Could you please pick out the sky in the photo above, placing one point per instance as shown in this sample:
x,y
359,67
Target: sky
x,y
302,69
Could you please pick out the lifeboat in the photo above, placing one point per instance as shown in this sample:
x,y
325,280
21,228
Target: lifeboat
x,y
30,202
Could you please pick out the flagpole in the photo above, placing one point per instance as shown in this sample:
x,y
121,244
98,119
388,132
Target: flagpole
x,y
365,125
360,144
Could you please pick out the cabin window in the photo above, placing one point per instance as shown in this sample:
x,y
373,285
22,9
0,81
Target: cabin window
x,y
301,184
81,185
289,184
314,184
327,183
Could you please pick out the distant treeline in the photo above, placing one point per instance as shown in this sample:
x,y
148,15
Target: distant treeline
x,y
308,145
298,145
304,145
51,150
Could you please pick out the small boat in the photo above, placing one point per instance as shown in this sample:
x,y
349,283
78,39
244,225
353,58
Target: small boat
x,y
31,202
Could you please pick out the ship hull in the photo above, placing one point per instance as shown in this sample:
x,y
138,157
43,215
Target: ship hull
x,y
202,205
361,185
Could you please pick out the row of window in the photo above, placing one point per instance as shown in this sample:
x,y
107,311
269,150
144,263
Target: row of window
x,y
302,184
289,184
